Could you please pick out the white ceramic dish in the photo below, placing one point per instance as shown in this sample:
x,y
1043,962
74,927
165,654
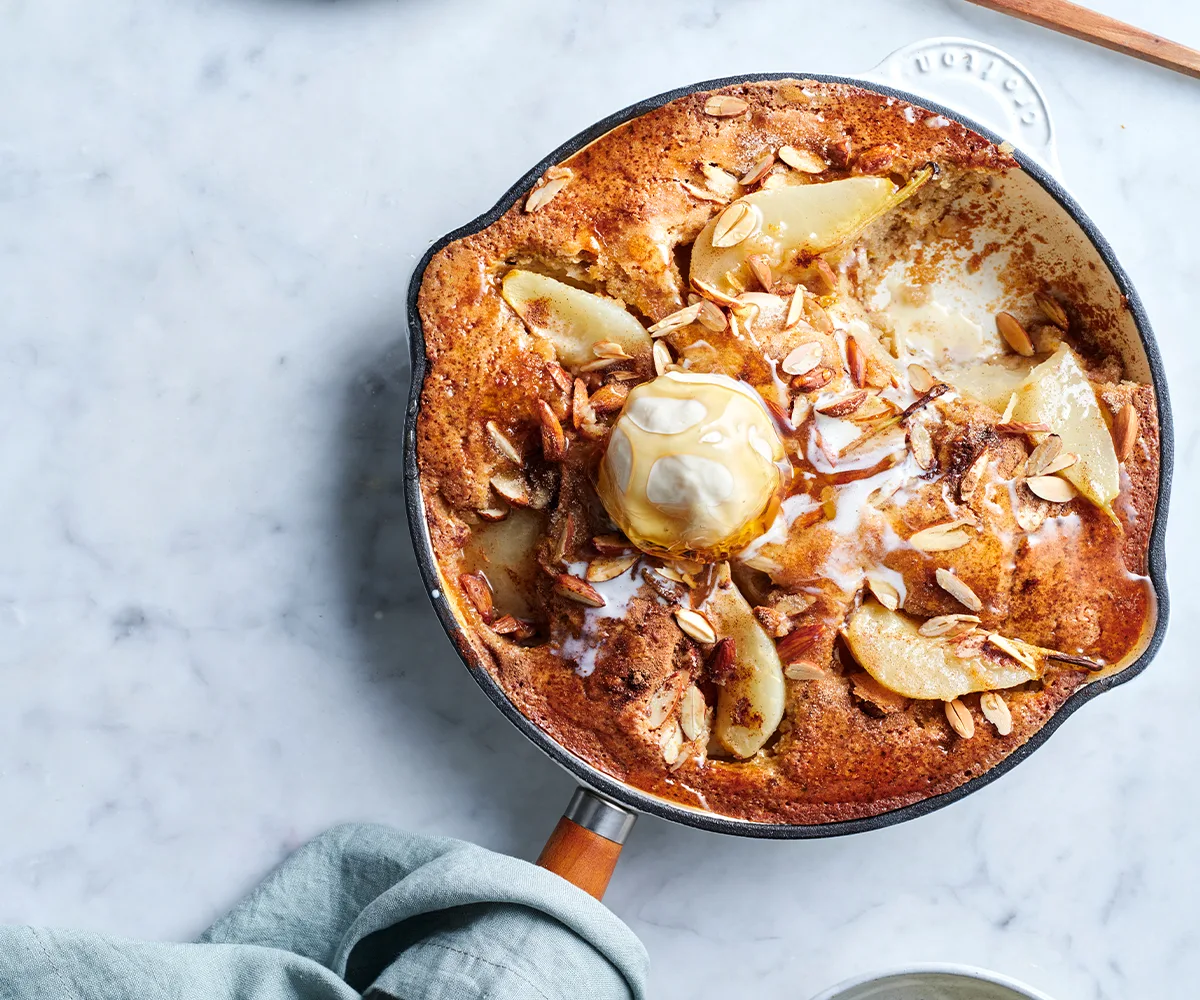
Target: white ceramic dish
x,y
932,982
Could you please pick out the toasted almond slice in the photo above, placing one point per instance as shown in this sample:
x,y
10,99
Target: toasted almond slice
x,y
801,408
762,167
804,160
581,409
804,670
503,443
739,221
693,714
695,625
972,477
661,703
1043,455
1052,310
563,541
920,379
710,316
725,106
1014,334
677,319
554,173
1051,488
1125,431
554,440
662,357
795,311
1008,410
718,177
760,267
479,593
821,279
1022,427
1010,648
713,293
921,444
1064,461
670,573
959,717
940,537
575,589
703,194
816,315
856,362
610,349
611,545
953,586
803,359
818,378
671,741
542,196
799,641
609,398
609,567
515,628
512,488
496,513
599,364
995,710
885,593
844,406
950,625
721,660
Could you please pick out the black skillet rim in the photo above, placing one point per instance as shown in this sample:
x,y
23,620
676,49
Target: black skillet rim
x,y
642,801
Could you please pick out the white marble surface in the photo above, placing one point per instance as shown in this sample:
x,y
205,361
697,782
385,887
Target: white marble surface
x,y
212,640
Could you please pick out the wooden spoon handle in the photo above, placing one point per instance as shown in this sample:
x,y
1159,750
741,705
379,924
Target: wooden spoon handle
x,y
1079,22
586,844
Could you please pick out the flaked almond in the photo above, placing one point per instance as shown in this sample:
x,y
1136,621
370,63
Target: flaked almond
x,y
610,349
856,362
609,398
1010,648
554,440
1064,461
959,717
679,318
693,714
719,178
479,593
799,641
760,267
844,406
953,586
972,477
564,540
514,628
1051,488
598,365
1014,334
722,660
562,377
704,194
539,197
1052,309
611,544
714,294
710,316
920,379
816,379
695,625
804,160
884,591
512,488
950,625
609,567
738,222
575,589
795,311
1009,408
804,670
801,408
816,315
802,360
821,278
921,445
498,512
940,537
875,159
762,167
671,742
1041,456
661,704
995,710
725,106
581,409
1022,427
1125,431
503,443
662,357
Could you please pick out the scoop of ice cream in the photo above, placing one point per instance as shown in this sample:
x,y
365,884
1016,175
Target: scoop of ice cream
x,y
694,466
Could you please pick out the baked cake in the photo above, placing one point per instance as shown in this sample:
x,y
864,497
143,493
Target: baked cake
x,y
784,456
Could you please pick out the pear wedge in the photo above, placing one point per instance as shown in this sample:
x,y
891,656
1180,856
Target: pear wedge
x,y
750,704
888,646
572,319
1058,394
798,222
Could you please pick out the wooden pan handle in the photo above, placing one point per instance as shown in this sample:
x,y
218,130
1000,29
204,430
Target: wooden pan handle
x,y
585,845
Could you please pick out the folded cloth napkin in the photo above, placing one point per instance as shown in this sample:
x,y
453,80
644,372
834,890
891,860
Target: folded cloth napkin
x,y
360,911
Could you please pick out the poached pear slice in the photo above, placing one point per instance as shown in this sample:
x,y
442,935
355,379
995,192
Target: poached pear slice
x,y
888,646
798,222
1058,394
572,319
750,703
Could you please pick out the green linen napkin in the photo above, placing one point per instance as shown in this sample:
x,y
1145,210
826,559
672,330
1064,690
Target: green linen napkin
x,y
361,911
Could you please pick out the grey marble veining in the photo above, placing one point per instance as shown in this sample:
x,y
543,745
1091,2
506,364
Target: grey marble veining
x,y
212,640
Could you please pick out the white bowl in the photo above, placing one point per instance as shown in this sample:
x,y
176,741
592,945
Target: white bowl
x,y
932,982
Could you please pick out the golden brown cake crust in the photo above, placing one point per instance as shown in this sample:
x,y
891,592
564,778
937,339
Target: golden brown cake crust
x,y
841,756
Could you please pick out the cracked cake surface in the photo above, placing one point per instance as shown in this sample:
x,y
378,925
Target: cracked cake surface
x,y
936,530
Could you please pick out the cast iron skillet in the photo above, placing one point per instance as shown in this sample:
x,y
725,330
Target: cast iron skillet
x,y
611,813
